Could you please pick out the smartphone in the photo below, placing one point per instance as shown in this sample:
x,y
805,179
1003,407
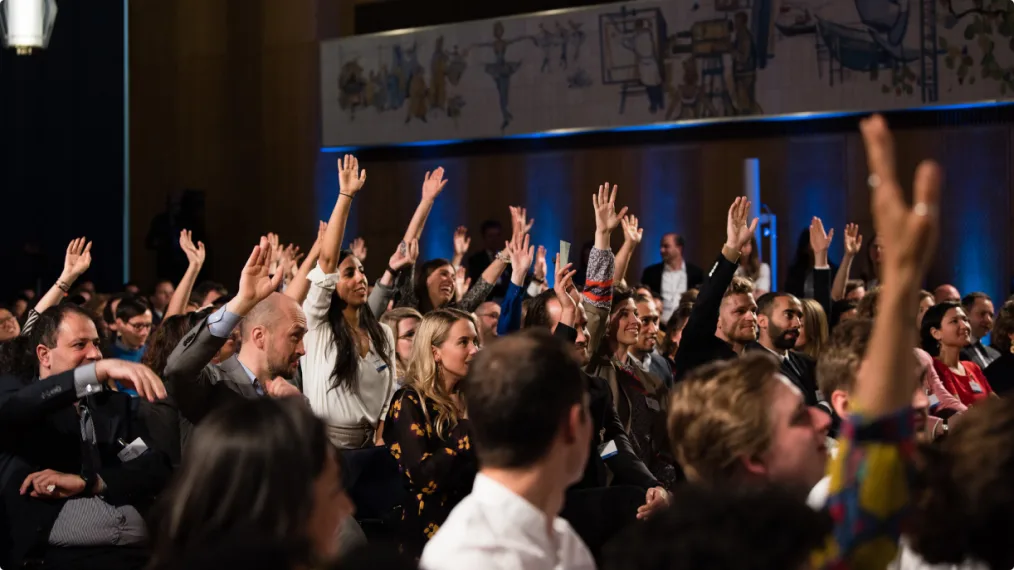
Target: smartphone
x,y
564,253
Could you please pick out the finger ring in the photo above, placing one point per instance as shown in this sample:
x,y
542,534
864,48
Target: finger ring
x,y
921,209
50,488
873,181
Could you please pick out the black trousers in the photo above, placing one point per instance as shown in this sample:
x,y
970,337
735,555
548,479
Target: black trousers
x,y
600,513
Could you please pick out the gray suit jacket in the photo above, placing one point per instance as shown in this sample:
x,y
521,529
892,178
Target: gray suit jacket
x,y
659,366
196,385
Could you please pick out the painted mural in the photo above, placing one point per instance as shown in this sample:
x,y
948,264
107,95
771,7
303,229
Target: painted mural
x,y
647,61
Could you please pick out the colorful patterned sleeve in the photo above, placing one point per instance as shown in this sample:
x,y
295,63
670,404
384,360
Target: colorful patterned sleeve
x,y
598,287
870,492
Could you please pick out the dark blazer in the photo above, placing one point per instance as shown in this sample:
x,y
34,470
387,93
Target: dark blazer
x,y
626,467
652,276
799,368
1000,374
40,429
970,354
699,345
196,385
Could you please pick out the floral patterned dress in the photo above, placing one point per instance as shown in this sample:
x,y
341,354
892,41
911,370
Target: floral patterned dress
x,y
438,472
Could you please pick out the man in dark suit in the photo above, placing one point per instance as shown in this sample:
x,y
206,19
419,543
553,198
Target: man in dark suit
x,y
780,318
273,329
76,477
724,318
492,242
979,308
644,352
674,276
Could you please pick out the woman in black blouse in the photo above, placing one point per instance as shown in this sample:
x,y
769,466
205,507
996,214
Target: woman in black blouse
x,y
427,425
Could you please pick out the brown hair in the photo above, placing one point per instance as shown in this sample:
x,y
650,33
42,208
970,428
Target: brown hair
x,y
966,509
739,286
839,363
867,308
751,265
815,324
721,413
392,319
1003,328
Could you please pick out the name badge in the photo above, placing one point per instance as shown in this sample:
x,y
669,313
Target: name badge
x,y
975,386
132,451
652,404
608,449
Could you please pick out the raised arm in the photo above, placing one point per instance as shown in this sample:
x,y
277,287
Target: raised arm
x,y
433,185
631,237
598,286
195,258
75,263
821,243
404,257
461,245
870,477
853,243
350,182
300,285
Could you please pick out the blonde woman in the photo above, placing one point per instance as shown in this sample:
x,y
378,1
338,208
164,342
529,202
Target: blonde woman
x,y
813,336
404,322
427,425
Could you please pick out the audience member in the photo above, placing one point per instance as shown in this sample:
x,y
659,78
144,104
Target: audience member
x,y
945,333
674,275
752,268
780,320
814,332
488,317
427,429
74,492
979,309
1000,373
674,331
946,293
492,242
531,429
256,468
133,326
841,311
159,299
404,322
801,279
644,352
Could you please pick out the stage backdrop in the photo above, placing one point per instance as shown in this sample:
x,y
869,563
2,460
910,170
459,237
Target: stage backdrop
x,y
639,63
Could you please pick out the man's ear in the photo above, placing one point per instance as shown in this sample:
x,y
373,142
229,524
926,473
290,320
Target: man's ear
x,y
43,354
840,403
754,466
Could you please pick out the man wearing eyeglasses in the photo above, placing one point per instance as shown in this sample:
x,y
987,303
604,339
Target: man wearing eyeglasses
x,y
133,326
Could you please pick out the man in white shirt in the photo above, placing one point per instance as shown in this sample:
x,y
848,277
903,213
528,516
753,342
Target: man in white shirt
x,y
529,411
674,276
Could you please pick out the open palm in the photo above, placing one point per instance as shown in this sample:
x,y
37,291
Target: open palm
x,y
255,284
79,257
350,179
606,217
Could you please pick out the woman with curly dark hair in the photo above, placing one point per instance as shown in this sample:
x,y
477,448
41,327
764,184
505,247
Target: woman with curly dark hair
x,y
1000,372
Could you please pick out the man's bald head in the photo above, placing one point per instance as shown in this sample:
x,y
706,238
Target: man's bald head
x,y
946,293
276,312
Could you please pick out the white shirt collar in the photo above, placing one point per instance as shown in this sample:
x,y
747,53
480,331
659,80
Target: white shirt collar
x,y
642,363
780,357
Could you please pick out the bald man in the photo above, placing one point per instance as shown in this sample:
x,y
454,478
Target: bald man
x,y
946,293
272,329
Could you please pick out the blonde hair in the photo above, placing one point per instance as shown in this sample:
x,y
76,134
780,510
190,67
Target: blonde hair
x,y
392,319
720,414
815,325
422,374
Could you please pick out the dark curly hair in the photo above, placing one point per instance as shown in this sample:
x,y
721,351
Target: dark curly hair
x,y
1003,328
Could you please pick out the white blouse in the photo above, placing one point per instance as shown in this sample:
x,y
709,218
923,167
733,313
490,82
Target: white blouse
x,y
342,407
763,281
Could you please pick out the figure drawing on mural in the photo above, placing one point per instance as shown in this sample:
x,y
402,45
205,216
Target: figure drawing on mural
x,y
501,70
744,68
351,87
687,102
649,66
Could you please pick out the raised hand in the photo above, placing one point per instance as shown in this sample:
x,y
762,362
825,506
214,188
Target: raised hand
x,y
255,284
290,260
908,236
631,233
853,240
541,267
606,217
520,224
521,254
404,255
461,241
275,248
737,232
350,179
131,374
50,484
195,254
358,248
820,240
462,282
563,283
78,259
433,184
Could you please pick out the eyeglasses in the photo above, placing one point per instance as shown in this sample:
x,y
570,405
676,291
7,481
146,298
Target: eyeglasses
x,y
139,327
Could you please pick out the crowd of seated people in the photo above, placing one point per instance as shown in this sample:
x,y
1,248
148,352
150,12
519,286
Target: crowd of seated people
x,y
509,410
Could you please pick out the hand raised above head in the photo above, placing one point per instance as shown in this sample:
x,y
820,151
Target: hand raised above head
x,y
350,179
853,240
737,231
606,216
255,284
78,259
433,184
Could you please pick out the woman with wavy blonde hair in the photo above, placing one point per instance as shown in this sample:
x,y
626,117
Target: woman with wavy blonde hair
x,y
427,425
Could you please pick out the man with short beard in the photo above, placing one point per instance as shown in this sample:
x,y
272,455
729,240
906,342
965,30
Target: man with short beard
x,y
643,353
780,318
